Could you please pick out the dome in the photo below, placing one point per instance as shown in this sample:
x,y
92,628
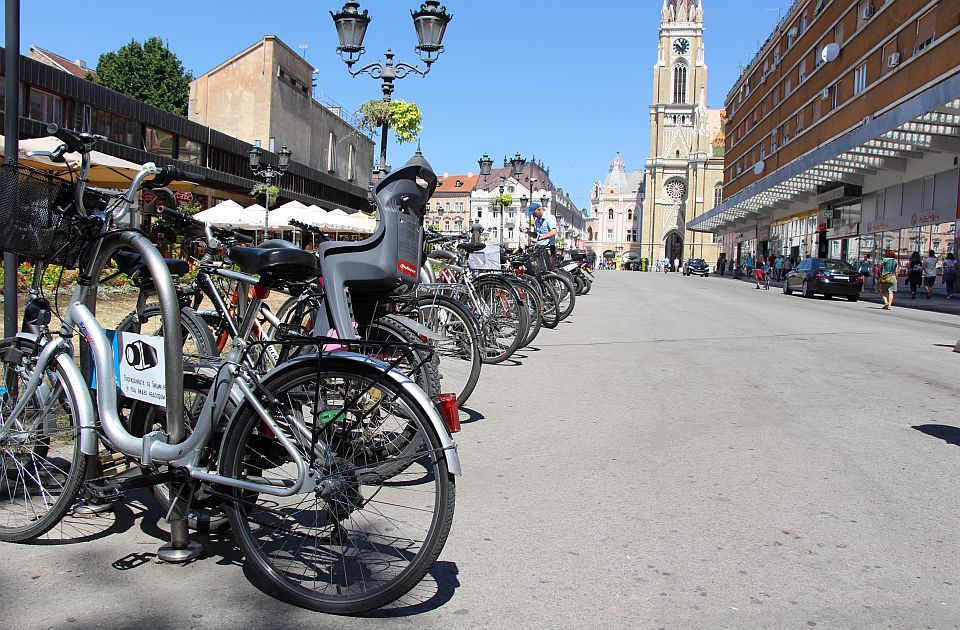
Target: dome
x,y
617,177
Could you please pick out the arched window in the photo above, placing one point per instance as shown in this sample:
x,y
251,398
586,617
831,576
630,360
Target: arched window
x,y
610,214
680,83
717,195
630,214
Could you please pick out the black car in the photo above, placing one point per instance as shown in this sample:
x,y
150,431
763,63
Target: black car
x,y
696,266
826,276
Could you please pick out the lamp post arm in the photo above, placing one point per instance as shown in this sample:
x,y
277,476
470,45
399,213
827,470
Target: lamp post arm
x,y
374,69
403,69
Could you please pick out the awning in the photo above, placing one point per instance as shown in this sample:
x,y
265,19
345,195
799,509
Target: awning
x,y
927,123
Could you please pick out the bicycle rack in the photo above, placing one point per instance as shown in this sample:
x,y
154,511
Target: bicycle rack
x,y
180,548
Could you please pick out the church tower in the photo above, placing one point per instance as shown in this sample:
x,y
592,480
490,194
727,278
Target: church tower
x,y
683,168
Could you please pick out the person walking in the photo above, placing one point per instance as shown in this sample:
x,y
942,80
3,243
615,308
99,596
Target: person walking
x,y
778,268
930,272
676,264
887,278
864,268
950,274
759,271
915,274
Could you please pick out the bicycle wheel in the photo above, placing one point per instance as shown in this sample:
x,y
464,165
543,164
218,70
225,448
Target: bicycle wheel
x,y
421,366
566,293
458,348
360,539
41,465
534,301
197,339
503,318
551,305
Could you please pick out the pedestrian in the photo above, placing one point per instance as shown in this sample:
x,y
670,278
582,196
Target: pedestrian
x,y
758,272
864,268
676,264
950,274
666,265
887,278
545,229
778,267
915,274
930,272
722,264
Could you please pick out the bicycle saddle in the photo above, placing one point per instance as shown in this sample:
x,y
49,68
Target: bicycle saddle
x,y
131,264
275,266
471,247
277,243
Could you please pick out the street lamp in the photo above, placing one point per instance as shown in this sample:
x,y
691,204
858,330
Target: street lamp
x,y
430,23
503,182
283,163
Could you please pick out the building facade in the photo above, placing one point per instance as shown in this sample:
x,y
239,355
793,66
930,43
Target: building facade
x,y
616,212
449,208
264,95
844,134
685,164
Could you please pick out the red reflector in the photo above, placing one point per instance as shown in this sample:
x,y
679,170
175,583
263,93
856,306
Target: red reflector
x,y
261,292
449,410
859,279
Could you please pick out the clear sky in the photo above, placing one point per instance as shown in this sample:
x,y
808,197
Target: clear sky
x,y
568,81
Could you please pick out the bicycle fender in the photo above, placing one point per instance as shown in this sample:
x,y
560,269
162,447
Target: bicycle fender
x,y
88,422
401,381
415,326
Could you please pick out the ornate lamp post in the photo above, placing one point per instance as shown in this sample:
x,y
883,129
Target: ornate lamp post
x,y
430,23
256,153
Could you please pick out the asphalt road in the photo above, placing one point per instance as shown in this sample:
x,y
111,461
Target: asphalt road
x,y
684,453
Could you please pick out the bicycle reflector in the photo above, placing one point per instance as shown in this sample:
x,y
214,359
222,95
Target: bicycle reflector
x,y
449,410
260,291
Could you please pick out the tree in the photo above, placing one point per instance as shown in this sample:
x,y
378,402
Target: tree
x,y
149,72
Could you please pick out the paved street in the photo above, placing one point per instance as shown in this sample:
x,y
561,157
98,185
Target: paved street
x,y
782,463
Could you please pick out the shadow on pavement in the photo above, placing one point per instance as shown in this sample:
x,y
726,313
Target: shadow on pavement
x,y
472,416
434,590
950,435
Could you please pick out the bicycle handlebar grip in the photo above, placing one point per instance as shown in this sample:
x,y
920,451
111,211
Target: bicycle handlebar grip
x,y
195,178
243,238
73,141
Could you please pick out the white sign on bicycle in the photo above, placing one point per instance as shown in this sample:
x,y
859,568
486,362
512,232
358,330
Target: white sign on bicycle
x,y
141,374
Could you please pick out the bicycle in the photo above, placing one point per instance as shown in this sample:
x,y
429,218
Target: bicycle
x,y
303,437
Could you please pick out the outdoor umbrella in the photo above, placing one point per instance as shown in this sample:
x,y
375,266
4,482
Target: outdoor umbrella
x,y
106,171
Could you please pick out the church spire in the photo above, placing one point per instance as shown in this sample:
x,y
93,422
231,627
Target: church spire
x,y
682,11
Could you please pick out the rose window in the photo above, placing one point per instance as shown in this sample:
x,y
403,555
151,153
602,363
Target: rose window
x,y
676,190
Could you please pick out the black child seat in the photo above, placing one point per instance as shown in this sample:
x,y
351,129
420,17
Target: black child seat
x,y
386,261
470,248
275,266
131,264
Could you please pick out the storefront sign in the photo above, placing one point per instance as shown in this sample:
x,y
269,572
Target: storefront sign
x,y
184,196
904,221
844,231
821,227
924,219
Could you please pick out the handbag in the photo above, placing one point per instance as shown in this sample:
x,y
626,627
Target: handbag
x,y
887,277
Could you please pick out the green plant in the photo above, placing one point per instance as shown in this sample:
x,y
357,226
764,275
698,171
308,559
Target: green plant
x,y
261,189
189,209
505,200
402,117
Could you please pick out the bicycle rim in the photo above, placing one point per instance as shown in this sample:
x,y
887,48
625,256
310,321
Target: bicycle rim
x,y
363,538
41,465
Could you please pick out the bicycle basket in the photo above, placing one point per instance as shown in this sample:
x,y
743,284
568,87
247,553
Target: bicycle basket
x,y
36,218
537,263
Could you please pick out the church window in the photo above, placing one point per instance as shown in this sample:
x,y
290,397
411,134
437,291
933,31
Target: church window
x,y
676,189
610,214
680,83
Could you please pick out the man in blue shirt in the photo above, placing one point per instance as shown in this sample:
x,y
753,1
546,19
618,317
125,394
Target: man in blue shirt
x,y
545,231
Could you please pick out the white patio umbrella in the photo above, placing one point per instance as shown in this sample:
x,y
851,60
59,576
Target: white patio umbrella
x,y
226,212
290,210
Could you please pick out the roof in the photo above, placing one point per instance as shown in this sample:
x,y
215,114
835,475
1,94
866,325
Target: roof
x,y
77,68
620,181
448,183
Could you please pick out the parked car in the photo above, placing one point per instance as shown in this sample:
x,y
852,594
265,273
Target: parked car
x,y
696,267
826,276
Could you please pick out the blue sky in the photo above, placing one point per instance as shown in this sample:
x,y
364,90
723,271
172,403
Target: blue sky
x,y
568,81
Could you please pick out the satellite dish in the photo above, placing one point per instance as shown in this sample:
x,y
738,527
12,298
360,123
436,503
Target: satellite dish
x,y
829,53
758,167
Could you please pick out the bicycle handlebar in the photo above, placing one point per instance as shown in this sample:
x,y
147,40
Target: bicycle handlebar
x,y
75,143
313,229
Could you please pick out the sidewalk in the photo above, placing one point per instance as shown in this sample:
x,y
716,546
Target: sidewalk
x,y
901,299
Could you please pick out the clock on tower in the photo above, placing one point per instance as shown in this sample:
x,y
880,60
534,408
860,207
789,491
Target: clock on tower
x,y
681,46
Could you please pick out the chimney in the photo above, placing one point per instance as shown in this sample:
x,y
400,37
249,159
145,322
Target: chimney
x,y
81,63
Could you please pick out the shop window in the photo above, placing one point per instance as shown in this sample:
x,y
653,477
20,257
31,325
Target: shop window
x,y
926,29
45,107
159,142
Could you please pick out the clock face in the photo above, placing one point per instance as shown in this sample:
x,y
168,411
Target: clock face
x,y
681,46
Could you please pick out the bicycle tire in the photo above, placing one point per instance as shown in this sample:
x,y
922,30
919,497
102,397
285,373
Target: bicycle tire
x,y
566,292
313,549
535,307
197,339
21,466
445,315
504,319
551,305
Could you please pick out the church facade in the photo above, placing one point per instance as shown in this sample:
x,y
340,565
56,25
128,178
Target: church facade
x,y
684,171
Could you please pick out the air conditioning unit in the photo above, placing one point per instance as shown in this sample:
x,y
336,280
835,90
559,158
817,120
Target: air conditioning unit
x,y
792,32
825,94
868,11
893,60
